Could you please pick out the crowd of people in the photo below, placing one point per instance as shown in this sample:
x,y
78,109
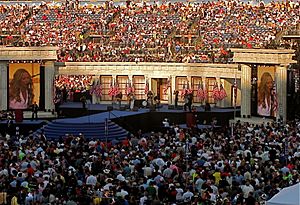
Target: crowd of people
x,y
247,164
67,85
152,32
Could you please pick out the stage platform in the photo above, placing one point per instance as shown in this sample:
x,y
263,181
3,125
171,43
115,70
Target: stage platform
x,y
163,108
142,119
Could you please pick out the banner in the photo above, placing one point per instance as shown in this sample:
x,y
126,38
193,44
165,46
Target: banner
x,y
266,92
24,85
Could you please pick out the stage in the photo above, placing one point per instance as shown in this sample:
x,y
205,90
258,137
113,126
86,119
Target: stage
x,y
144,119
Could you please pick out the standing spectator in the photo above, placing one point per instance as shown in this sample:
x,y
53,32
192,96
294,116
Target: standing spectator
x,y
34,110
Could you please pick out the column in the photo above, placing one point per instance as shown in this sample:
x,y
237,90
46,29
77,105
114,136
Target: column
x,y
130,77
246,91
170,91
281,86
3,85
205,88
218,80
95,99
49,89
173,88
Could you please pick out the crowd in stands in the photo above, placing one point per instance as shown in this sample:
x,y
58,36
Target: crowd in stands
x,y
173,166
67,85
152,32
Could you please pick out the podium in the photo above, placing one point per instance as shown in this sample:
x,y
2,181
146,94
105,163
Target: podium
x,y
19,115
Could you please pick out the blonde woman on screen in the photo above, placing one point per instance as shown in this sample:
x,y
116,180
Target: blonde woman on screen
x,y
21,90
265,94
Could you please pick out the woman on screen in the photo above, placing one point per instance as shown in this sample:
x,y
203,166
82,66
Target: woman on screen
x,y
21,90
265,95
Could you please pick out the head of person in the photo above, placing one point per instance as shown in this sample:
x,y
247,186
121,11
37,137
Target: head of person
x,y
266,81
265,87
22,78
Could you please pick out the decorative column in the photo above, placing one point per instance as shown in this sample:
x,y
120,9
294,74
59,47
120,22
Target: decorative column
x,y
281,87
173,88
246,91
49,78
170,91
205,87
130,77
95,99
222,102
3,85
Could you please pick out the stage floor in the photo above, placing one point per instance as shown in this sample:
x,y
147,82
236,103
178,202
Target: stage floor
x,y
163,108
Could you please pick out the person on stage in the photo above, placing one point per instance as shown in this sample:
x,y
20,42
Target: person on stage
x,y
21,90
176,93
150,98
188,100
131,101
34,109
119,97
83,101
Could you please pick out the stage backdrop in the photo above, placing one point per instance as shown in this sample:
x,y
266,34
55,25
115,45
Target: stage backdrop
x,y
24,85
265,97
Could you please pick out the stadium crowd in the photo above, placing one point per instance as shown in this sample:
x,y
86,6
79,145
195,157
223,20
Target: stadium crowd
x,y
152,32
173,166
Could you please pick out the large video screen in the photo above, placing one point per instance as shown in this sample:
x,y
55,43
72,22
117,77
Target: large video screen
x,y
24,85
266,105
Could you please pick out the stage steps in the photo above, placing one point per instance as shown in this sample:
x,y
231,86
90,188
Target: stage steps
x,y
58,129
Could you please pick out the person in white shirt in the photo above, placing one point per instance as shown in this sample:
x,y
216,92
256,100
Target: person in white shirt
x,y
247,188
91,180
187,196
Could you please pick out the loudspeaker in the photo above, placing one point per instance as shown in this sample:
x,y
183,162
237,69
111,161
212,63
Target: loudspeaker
x,y
110,108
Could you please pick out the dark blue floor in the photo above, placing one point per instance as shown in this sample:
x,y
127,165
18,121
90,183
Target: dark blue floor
x,y
101,117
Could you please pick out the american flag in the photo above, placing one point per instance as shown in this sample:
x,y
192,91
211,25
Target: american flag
x,y
146,90
111,89
216,92
235,89
183,91
188,89
205,93
200,93
132,88
116,89
168,85
92,88
222,92
274,100
129,88
99,89
126,88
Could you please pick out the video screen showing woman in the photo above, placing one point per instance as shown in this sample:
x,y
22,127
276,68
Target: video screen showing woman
x,y
266,97
23,85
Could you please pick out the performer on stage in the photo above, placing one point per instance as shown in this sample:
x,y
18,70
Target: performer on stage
x,y
131,101
119,99
176,93
150,98
34,109
188,99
